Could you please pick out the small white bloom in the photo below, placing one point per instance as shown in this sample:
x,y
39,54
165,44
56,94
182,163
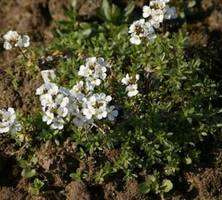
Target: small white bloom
x,y
23,41
88,112
146,11
13,39
48,75
126,80
112,113
130,79
8,122
55,104
83,71
131,83
48,117
158,4
50,88
157,18
61,100
77,91
135,39
132,90
62,111
94,71
137,77
40,90
11,36
57,124
140,29
7,45
155,14
96,106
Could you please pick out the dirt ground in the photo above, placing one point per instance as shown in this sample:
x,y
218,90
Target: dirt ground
x,y
35,17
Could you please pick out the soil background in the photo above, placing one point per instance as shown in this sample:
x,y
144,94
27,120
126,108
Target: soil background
x,y
36,17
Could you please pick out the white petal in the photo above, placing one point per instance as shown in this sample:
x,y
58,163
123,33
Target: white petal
x,y
135,40
7,46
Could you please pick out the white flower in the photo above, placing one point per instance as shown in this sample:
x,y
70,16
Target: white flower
x,y
158,4
84,71
126,79
55,104
58,123
48,117
135,39
23,41
130,79
47,101
61,100
8,122
13,39
132,90
94,71
146,11
79,104
140,29
11,36
155,14
55,110
88,112
112,113
77,91
50,88
131,83
78,87
48,75
157,18
96,106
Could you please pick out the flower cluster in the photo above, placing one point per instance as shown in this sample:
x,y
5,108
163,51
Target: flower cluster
x,y
94,72
13,39
81,105
131,84
8,122
54,105
155,13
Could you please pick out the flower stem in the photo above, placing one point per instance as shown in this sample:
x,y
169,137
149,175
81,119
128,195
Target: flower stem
x,y
23,53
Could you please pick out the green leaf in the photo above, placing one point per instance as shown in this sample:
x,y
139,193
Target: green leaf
x,y
115,13
76,176
144,188
167,185
28,173
106,9
129,9
38,184
188,160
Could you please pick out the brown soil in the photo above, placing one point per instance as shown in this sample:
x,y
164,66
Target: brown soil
x,y
207,181
31,16
76,191
7,193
